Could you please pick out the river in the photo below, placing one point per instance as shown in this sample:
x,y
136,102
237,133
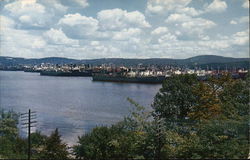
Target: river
x,y
74,105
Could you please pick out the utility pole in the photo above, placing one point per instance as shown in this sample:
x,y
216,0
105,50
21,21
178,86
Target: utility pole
x,y
29,116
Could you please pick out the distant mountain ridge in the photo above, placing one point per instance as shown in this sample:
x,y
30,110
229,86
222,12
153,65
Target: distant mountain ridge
x,y
201,60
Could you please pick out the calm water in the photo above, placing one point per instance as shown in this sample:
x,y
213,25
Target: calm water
x,y
72,104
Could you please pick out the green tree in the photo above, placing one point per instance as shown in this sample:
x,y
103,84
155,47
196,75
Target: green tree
x,y
190,119
218,116
208,104
54,147
11,145
8,124
175,98
38,142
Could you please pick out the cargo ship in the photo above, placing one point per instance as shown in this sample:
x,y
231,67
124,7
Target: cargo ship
x,y
126,79
66,73
31,70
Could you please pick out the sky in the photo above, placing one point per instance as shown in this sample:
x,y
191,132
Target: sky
x,y
90,29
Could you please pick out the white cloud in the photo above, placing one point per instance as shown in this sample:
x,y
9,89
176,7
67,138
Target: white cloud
x,y
198,25
244,19
159,30
233,22
38,43
166,38
53,6
189,11
28,12
31,13
217,6
178,18
214,44
24,6
83,3
6,23
78,26
117,19
188,24
19,43
66,31
126,34
241,38
25,19
94,43
245,4
163,6
57,37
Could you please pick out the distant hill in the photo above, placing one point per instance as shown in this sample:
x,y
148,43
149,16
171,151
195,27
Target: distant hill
x,y
32,61
198,61
204,59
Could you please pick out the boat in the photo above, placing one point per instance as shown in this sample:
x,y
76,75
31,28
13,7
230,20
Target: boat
x,y
31,70
66,73
127,79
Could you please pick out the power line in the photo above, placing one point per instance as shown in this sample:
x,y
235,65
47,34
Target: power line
x,y
28,119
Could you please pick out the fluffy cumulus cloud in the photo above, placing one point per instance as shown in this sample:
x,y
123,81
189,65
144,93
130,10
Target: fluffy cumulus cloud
x,y
56,36
244,19
233,22
20,10
162,6
82,3
32,14
78,26
159,30
197,24
190,25
126,34
241,38
93,29
245,4
116,19
6,23
217,6
19,43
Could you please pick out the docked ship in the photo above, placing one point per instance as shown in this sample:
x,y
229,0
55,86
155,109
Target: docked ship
x,y
66,73
127,79
32,70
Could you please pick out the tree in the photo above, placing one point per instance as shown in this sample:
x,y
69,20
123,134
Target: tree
x,y
122,140
191,119
175,98
109,142
208,104
218,112
8,124
54,147
11,145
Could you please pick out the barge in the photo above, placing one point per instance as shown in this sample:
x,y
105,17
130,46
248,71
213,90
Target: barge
x,y
126,79
67,73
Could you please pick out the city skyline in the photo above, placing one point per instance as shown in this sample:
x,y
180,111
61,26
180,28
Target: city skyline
x,y
93,29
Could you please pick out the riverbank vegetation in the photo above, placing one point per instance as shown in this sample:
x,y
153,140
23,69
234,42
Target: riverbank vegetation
x,y
13,146
190,119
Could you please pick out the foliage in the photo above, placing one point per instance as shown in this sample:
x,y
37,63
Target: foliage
x,y
215,124
11,145
191,119
8,123
54,147
175,98
109,142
